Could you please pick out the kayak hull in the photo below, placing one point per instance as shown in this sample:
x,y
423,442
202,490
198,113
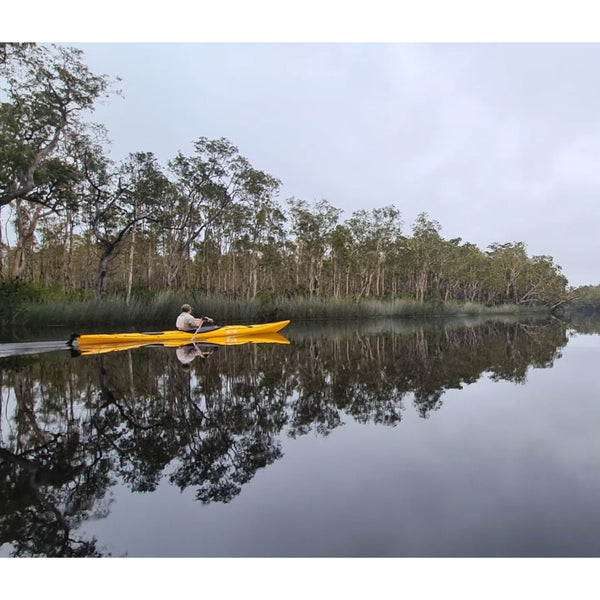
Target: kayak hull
x,y
213,342
161,337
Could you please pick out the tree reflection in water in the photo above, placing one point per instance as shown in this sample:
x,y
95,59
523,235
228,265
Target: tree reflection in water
x,y
73,428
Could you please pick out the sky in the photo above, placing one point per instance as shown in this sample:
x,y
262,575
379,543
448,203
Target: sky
x,y
498,142
496,137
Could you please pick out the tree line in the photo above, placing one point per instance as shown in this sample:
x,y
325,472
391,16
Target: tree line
x,y
74,219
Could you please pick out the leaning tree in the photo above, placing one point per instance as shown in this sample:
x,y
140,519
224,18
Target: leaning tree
x,y
46,93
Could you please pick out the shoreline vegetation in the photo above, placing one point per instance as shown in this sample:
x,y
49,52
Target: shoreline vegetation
x,y
163,309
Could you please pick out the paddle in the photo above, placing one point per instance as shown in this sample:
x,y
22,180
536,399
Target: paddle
x,y
202,321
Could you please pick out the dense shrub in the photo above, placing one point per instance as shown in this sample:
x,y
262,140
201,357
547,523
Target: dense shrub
x,y
13,296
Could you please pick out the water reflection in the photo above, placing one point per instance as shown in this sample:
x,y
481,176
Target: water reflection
x,y
72,428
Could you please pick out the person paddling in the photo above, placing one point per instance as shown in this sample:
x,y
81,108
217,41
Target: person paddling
x,y
187,322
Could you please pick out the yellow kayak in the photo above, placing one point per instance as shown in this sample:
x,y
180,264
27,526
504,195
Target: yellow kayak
x,y
160,337
265,338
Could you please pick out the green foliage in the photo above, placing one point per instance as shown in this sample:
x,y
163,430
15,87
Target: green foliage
x,y
584,300
47,89
14,295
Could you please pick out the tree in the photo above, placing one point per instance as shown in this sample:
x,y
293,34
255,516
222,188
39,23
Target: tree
x,y
374,234
342,258
543,282
48,89
258,235
425,248
55,192
119,198
509,261
312,228
207,184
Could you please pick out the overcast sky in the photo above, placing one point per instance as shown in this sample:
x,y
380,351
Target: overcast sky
x,y
497,142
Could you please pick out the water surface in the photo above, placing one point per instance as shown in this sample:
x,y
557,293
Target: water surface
x,y
386,438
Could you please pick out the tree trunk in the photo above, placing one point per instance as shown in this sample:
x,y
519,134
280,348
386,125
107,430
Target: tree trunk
x,y
149,264
1,247
68,254
102,270
25,228
130,266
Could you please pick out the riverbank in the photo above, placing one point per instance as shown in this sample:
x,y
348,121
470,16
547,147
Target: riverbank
x,y
164,308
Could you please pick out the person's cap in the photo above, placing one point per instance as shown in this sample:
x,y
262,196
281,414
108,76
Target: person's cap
x,y
186,307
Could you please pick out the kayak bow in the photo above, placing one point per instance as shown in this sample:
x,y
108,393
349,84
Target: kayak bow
x,y
211,332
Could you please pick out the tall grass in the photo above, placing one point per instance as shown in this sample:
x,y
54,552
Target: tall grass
x,y
162,310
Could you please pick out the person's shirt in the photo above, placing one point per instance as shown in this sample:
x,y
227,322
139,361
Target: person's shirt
x,y
186,322
186,354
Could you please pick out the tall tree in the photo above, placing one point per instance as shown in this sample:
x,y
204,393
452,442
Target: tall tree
x,y
425,247
509,262
47,91
374,234
207,184
119,198
55,192
312,228
259,235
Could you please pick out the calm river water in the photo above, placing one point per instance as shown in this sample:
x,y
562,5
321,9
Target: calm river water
x,y
462,438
